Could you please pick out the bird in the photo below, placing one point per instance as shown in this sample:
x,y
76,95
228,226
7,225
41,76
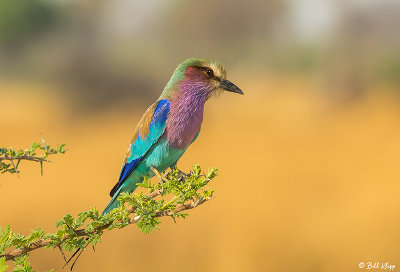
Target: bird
x,y
170,124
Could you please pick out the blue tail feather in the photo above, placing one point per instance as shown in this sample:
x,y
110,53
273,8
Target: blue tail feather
x,y
114,203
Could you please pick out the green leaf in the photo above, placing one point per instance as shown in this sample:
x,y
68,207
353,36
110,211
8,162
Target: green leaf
x,y
145,210
34,146
6,154
3,266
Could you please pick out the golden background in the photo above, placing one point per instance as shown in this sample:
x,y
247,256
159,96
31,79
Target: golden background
x,y
308,158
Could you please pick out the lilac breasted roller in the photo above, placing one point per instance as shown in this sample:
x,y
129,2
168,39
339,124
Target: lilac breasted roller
x,y
171,124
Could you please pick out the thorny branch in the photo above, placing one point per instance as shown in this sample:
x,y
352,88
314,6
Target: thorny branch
x,y
8,156
186,193
26,158
81,232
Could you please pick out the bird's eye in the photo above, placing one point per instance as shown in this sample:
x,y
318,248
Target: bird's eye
x,y
210,72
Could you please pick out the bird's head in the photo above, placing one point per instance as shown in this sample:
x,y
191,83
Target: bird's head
x,y
201,76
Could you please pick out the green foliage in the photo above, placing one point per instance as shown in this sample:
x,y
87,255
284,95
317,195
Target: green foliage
x,y
10,239
22,264
3,266
178,193
10,158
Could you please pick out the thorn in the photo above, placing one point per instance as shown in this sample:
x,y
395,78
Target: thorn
x,y
44,143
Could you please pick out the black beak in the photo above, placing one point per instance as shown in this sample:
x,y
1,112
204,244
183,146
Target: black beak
x,y
230,87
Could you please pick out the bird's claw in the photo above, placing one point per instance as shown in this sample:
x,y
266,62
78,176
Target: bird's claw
x,y
182,175
161,177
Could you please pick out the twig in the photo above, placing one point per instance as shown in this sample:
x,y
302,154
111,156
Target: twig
x,y
81,232
26,158
62,253
15,168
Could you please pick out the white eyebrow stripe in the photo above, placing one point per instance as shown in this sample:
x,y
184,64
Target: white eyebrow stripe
x,y
218,70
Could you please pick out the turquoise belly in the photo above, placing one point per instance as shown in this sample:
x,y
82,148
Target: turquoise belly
x,y
161,157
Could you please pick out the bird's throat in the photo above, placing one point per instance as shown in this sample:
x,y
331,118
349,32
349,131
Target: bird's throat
x,y
185,117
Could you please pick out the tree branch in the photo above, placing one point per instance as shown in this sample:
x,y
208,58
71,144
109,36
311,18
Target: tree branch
x,y
143,210
26,158
29,154
81,232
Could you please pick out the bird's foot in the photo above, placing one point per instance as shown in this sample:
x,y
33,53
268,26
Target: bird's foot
x,y
161,177
182,175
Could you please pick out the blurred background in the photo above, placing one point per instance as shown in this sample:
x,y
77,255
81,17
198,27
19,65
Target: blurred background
x,y
308,157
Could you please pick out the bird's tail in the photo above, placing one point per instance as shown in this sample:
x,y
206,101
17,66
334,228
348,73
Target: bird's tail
x,y
114,203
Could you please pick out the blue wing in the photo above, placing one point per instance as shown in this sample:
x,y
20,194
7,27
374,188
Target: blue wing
x,y
148,131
